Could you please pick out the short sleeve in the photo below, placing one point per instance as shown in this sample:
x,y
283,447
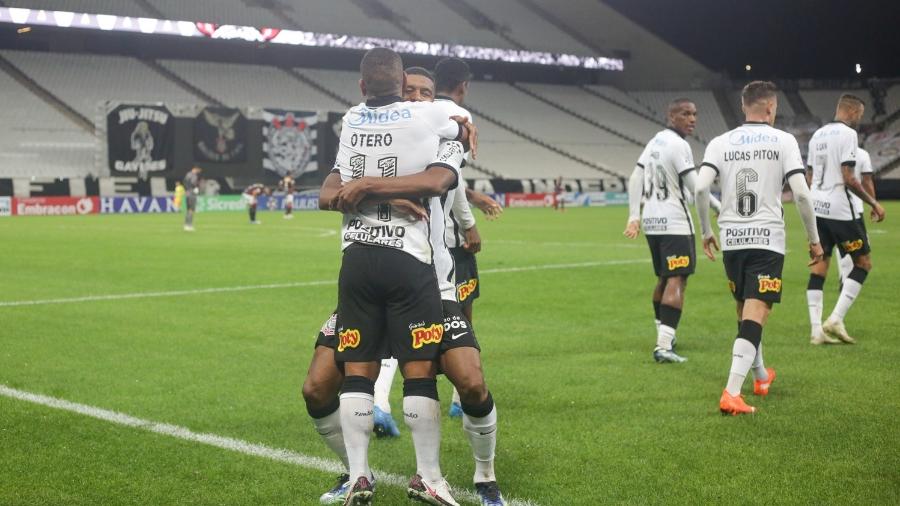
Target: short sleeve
x,y
439,119
644,158
683,159
849,145
864,162
450,156
793,160
712,158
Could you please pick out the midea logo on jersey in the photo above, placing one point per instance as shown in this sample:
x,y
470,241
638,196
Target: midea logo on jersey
x,y
370,117
743,137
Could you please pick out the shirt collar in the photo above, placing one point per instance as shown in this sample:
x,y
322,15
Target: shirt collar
x,y
676,131
382,101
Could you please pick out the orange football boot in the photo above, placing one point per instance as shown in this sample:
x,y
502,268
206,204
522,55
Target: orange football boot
x,y
734,405
762,387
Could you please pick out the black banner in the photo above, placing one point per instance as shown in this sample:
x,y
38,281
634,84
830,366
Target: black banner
x,y
289,145
220,135
140,139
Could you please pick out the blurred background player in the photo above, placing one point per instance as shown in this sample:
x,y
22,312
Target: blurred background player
x,y
191,189
832,160
665,167
251,197
178,198
287,186
751,227
864,173
559,203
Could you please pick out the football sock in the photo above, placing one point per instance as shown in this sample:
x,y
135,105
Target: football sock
x,y
357,402
656,305
455,397
845,266
743,354
480,425
815,301
852,286
422,413
383,384
328,424
253,213
668,322
189,219
759,368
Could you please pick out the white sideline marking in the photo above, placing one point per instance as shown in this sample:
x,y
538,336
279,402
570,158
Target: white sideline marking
x,y
226,443
201,291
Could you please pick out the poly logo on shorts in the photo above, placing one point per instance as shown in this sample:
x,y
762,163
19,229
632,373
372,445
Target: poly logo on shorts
x,y
465,289
348,339
767,284
427,335
851,246
732,286
678,262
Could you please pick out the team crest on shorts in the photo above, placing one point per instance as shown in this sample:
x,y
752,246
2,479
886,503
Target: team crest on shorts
x,y
329,325
465,289
348,339
427,335
769,284
851,246
676,262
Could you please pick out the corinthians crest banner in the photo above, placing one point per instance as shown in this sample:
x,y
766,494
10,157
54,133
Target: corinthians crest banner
x,y
289,142
220,135
140,140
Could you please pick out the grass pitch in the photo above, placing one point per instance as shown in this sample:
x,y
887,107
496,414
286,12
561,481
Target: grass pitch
x,y
586,416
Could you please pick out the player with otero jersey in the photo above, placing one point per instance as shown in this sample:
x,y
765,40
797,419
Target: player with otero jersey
x,y
833,153
663,171
752,163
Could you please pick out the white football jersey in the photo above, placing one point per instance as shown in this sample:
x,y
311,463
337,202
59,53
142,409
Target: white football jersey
x,y
832,146
863,166
753,161
450,153
387,138
664,160
454,231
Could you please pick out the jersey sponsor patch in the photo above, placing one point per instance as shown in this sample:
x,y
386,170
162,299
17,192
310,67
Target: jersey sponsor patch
x,y
677,262
769,284
427,335
349,338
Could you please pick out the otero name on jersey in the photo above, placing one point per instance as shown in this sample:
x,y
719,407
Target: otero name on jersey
x,y
387,137
752,217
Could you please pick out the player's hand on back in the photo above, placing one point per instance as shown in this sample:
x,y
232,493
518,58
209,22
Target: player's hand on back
x,y
710,246
473,240
877,213
816,254
470,134
633,229
350,195
409,207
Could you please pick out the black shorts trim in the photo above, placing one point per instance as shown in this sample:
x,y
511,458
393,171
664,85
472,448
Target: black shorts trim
x,y
468,285
672,255
754,274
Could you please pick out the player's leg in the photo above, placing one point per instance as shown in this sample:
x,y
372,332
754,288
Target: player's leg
x,y
384,422
288,206
251,210
468,288
845,265
855,243
356,407
191,205
657,299
676,256
815,295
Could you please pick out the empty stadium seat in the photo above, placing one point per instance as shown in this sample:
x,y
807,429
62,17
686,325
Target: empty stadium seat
x,y
710,122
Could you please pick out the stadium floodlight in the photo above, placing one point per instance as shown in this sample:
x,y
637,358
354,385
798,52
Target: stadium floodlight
x,y
858,68
150,26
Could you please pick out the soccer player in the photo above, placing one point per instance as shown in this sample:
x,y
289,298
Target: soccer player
x,y
388,296
665,167
864,173
287,186
192,189
251,197
178,198
831,164
752,163
559,203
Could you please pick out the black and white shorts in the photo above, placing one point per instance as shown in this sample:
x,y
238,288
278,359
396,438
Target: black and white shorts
x,y
458,330
389,304
468,286
849,236
673,255
754,274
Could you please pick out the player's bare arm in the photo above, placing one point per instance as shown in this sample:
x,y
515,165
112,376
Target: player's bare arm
x,y
702,184
857,188
433,182
332,185
473,240
803,200
635,193
468,135
490,207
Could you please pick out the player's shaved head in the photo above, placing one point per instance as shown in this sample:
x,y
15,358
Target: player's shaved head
x,y
420,71
676,105
850,109
449,73
381,72
757,93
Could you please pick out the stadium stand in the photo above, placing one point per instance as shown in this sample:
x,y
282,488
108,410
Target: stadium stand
x,y
225,11
710,121
822,102
340,16
440,23
84,81
531,30
119,7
